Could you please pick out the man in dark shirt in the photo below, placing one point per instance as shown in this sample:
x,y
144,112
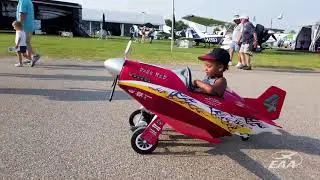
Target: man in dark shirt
x,y
249,40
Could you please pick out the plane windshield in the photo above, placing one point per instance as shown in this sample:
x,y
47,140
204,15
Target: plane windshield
x,y
184,74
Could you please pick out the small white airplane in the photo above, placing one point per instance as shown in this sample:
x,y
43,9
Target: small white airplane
x,y
200,37
285,40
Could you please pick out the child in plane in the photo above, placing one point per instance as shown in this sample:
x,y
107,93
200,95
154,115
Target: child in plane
x,y
215,63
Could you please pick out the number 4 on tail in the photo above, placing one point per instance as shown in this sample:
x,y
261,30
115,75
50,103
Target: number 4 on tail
x,y
271,103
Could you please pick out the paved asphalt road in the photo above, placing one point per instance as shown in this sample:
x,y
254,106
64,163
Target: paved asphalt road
x,y
55,123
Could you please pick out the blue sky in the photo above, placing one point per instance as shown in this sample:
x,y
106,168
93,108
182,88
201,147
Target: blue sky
x,y
295,12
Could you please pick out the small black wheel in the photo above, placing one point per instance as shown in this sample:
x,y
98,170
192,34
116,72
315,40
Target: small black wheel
x,y
139,145
134,117
245,138
138,115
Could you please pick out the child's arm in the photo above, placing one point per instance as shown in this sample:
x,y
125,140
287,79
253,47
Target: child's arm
x,y
217,88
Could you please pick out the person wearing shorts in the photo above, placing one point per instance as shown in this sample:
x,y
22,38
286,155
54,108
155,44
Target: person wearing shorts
x,y
236,39
20,42
249,41
25,15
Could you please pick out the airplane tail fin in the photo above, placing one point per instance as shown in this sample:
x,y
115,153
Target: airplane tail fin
x,y
196,33
269,104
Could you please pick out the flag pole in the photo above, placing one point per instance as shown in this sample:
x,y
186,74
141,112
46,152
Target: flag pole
x,y
172,26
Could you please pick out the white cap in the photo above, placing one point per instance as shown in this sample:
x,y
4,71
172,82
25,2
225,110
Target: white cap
x,y
236,17
244,17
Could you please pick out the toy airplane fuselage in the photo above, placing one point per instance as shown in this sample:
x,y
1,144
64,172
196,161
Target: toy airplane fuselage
x,y
166,93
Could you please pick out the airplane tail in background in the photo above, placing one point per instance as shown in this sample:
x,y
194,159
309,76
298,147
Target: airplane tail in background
x,y
269,104
196,33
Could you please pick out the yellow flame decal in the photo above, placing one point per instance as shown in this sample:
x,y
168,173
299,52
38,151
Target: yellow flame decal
x,y
230,127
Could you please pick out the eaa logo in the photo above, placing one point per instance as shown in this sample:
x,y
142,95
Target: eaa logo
x,y
285,160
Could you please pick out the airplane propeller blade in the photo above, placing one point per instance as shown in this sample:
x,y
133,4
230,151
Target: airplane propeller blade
x,y
128,49
114,84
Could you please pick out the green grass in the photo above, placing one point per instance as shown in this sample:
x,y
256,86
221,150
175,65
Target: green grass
x,y
53,47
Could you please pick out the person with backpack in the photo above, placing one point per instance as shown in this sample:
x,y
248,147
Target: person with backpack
x,y
249,41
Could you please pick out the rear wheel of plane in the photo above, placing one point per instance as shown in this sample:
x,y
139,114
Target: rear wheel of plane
x,y
135,117
140,145
139,115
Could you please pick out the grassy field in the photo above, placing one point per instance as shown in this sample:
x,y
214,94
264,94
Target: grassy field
x,y
53,47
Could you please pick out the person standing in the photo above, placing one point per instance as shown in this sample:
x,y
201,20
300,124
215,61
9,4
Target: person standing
x,y
25,15
143,33
136,31
131,32
236,39
151,34
249,40
20,42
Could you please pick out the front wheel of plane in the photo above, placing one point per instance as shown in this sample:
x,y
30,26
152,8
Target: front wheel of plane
x,y
140,145
245,138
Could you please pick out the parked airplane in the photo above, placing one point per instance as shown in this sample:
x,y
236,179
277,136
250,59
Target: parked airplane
x,y
200,37
223,38
285,40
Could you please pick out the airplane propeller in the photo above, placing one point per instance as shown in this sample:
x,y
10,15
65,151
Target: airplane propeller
x,y
115,80
128,50
274,37
113,86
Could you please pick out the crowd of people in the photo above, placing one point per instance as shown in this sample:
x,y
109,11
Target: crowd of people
x,y
142,33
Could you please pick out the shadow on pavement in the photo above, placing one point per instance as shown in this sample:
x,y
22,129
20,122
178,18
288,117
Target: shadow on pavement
x,y
68,95
288,70
233,148
71,67
59,77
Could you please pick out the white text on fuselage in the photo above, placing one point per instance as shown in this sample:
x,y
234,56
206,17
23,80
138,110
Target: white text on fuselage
x,y
151,73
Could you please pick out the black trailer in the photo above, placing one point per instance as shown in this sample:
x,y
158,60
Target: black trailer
x,y
51,17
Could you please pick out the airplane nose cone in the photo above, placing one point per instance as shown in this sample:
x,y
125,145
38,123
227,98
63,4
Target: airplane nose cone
x,y
114,66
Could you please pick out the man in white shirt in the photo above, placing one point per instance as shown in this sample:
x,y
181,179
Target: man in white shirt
x,y
236,39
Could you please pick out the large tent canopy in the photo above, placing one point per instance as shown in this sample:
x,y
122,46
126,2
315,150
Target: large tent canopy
x,y
309,37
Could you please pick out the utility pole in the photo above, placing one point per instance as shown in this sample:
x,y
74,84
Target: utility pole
x,y
172,26
144,14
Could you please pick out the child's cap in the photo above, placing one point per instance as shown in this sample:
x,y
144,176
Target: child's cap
x,y
218,54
